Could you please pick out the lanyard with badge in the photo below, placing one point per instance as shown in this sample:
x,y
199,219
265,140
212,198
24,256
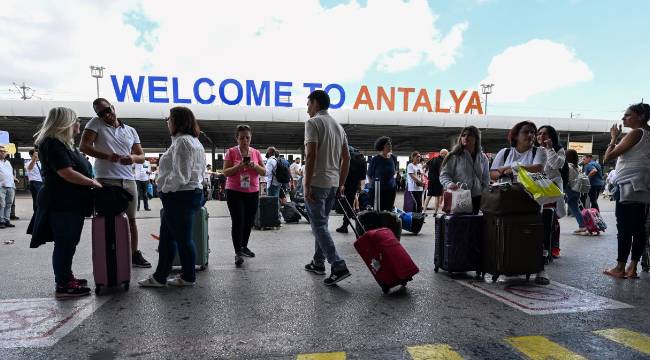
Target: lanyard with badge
x,y
244,176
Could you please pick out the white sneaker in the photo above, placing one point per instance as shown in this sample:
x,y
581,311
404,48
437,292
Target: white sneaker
x,y
151,282
178,281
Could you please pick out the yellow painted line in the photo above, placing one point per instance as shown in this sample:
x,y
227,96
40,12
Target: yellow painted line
x,y
433,352
541,348
631,339
322,356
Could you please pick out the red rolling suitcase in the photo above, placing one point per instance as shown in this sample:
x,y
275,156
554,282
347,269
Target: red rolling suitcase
x,y
382,252
111,246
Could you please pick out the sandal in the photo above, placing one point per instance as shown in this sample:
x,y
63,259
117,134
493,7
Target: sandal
x,y
615,274
632,275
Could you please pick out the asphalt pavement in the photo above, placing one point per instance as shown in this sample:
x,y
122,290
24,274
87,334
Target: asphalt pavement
x,y
271,308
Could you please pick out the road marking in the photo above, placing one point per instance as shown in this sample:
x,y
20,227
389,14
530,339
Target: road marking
x,y
533,299
541,348
631,339
433,352
41,322
322,356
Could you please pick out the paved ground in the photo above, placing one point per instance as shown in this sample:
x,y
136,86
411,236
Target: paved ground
x,y
272,309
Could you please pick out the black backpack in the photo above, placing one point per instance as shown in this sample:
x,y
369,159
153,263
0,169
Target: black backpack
x,y
281,172
358,164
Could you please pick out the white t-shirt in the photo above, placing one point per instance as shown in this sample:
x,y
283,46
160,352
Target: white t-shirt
x,y
294,169
35,173
525,158
118,140
6,174
413,169
330,138
141,171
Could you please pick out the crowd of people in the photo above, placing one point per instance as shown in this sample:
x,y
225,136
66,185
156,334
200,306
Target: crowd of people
x,y
61,179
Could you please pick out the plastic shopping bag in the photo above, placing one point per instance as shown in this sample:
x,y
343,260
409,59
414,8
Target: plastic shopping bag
x,y
457,201
543,190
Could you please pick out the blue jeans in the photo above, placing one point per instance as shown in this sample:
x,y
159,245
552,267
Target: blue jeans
x,y
273,190
572,200
66,228
6,200
176,232
319,213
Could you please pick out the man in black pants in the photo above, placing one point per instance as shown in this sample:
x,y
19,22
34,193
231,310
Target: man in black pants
x,y
33,167
353,182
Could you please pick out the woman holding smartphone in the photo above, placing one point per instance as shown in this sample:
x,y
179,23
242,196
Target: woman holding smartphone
x,y
242,166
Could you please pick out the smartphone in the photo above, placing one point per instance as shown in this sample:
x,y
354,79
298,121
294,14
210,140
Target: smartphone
x,y
247,159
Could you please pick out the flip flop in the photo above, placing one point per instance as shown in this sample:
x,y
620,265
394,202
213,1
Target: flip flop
x,y
632,275
614,274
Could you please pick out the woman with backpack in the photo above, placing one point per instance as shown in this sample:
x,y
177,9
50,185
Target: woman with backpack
x,y
467,164
522,153
632,187
573,195
549,143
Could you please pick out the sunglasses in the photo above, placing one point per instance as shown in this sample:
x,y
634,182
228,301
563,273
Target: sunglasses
x,y
105,112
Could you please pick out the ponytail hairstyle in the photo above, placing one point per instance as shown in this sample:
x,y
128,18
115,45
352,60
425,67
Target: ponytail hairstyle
x,y
641,109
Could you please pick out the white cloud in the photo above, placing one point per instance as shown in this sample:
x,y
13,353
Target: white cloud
x,y
532,68
261,40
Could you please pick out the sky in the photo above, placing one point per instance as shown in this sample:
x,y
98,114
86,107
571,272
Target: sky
x,y
580,58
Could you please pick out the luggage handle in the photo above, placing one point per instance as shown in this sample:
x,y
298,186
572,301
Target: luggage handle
x,y
350,215
377,193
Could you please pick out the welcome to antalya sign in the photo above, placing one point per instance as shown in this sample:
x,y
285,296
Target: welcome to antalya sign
x,y
232,92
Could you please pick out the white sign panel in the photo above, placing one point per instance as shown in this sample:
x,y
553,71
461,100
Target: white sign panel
x,y
534,299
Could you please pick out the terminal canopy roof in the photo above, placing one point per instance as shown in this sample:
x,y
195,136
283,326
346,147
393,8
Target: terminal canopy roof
x,y
284,127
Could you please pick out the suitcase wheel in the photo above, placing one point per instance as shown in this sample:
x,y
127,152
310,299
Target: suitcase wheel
x,y
125,286
385,289
98,289
435,269
203,267
479,275
527,277
646,269
495,278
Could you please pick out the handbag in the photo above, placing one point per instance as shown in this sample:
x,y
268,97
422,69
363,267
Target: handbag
x,y
542,189
507,198
458,201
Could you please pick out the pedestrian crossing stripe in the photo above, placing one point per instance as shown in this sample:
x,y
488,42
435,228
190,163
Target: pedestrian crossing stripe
x,y
322,356
433,352
532,347
541,348
631,339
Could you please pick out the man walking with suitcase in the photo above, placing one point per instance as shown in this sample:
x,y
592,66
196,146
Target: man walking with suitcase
x,y
328,162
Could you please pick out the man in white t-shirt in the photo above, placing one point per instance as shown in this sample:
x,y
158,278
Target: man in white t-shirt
x,y
7,189
328,162
116,147
33,166
142,172
294,169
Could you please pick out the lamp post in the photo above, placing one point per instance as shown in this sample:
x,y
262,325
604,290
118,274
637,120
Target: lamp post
x,y
97,72
486,89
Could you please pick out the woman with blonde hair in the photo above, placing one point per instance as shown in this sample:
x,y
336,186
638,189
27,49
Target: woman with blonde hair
x,y
65,198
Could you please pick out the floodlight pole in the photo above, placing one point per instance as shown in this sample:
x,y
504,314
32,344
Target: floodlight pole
x,y
97,72
486,89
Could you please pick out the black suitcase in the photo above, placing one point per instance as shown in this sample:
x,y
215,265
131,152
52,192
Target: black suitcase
x,y
512,245
268,213
290,213
548,219
371,219
458,243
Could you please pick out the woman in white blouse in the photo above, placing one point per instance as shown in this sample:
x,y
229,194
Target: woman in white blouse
x,y
549,143
180,189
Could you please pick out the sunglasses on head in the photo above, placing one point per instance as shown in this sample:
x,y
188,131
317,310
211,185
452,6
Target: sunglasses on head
x,y
105,112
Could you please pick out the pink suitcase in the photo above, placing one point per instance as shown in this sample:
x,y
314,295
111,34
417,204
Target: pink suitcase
x,y
111,252
593,221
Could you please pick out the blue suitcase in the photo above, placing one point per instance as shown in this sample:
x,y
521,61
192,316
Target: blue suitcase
x,y
411,222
